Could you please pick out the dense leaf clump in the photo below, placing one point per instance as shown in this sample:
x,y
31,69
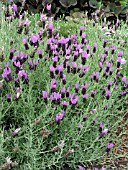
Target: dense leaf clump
x,y
111,8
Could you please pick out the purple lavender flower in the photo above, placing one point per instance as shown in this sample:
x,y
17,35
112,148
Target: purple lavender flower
x,y
36,64
73,102
84,117
120,53
40,53
17,64
103,133
68,51
52,71
93,93
109,146
109,84
30,64
84,88
14,6
124,79
34,39
63,90
64,79
94,47
81,29
111,70
86,41
81,168
118,62
68,67
55,59
50,29
9,97
68,92
55,97
24,40
12,50
101,127
113,49
105,89
7,74
15,9
72,96
106,106
7,64
83,37
23,75
109,23
65,104
74,67
79,68
10,18
60,68
117,75
106,49
76,53
123,93
88,48
22,57
85,96
100,37
57,70
108,94
40,34
49,44
76,87
58,98
45,96
53,85
96,76
84,57
100,65
94,121
59,117
108,65
105,42
79,127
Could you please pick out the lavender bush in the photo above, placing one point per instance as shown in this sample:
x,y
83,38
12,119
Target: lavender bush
x,y
62,97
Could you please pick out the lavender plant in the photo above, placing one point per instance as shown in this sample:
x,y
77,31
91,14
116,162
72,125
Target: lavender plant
x,y
62,98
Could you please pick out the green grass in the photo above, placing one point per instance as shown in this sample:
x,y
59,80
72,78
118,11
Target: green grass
x,y
28,148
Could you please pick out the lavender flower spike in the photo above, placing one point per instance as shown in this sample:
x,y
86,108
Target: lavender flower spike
x,y
103,133
14,6
108,94
93,93
45,95
76,87
101,126
120,53
8,97
59,117
81,168
109,146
